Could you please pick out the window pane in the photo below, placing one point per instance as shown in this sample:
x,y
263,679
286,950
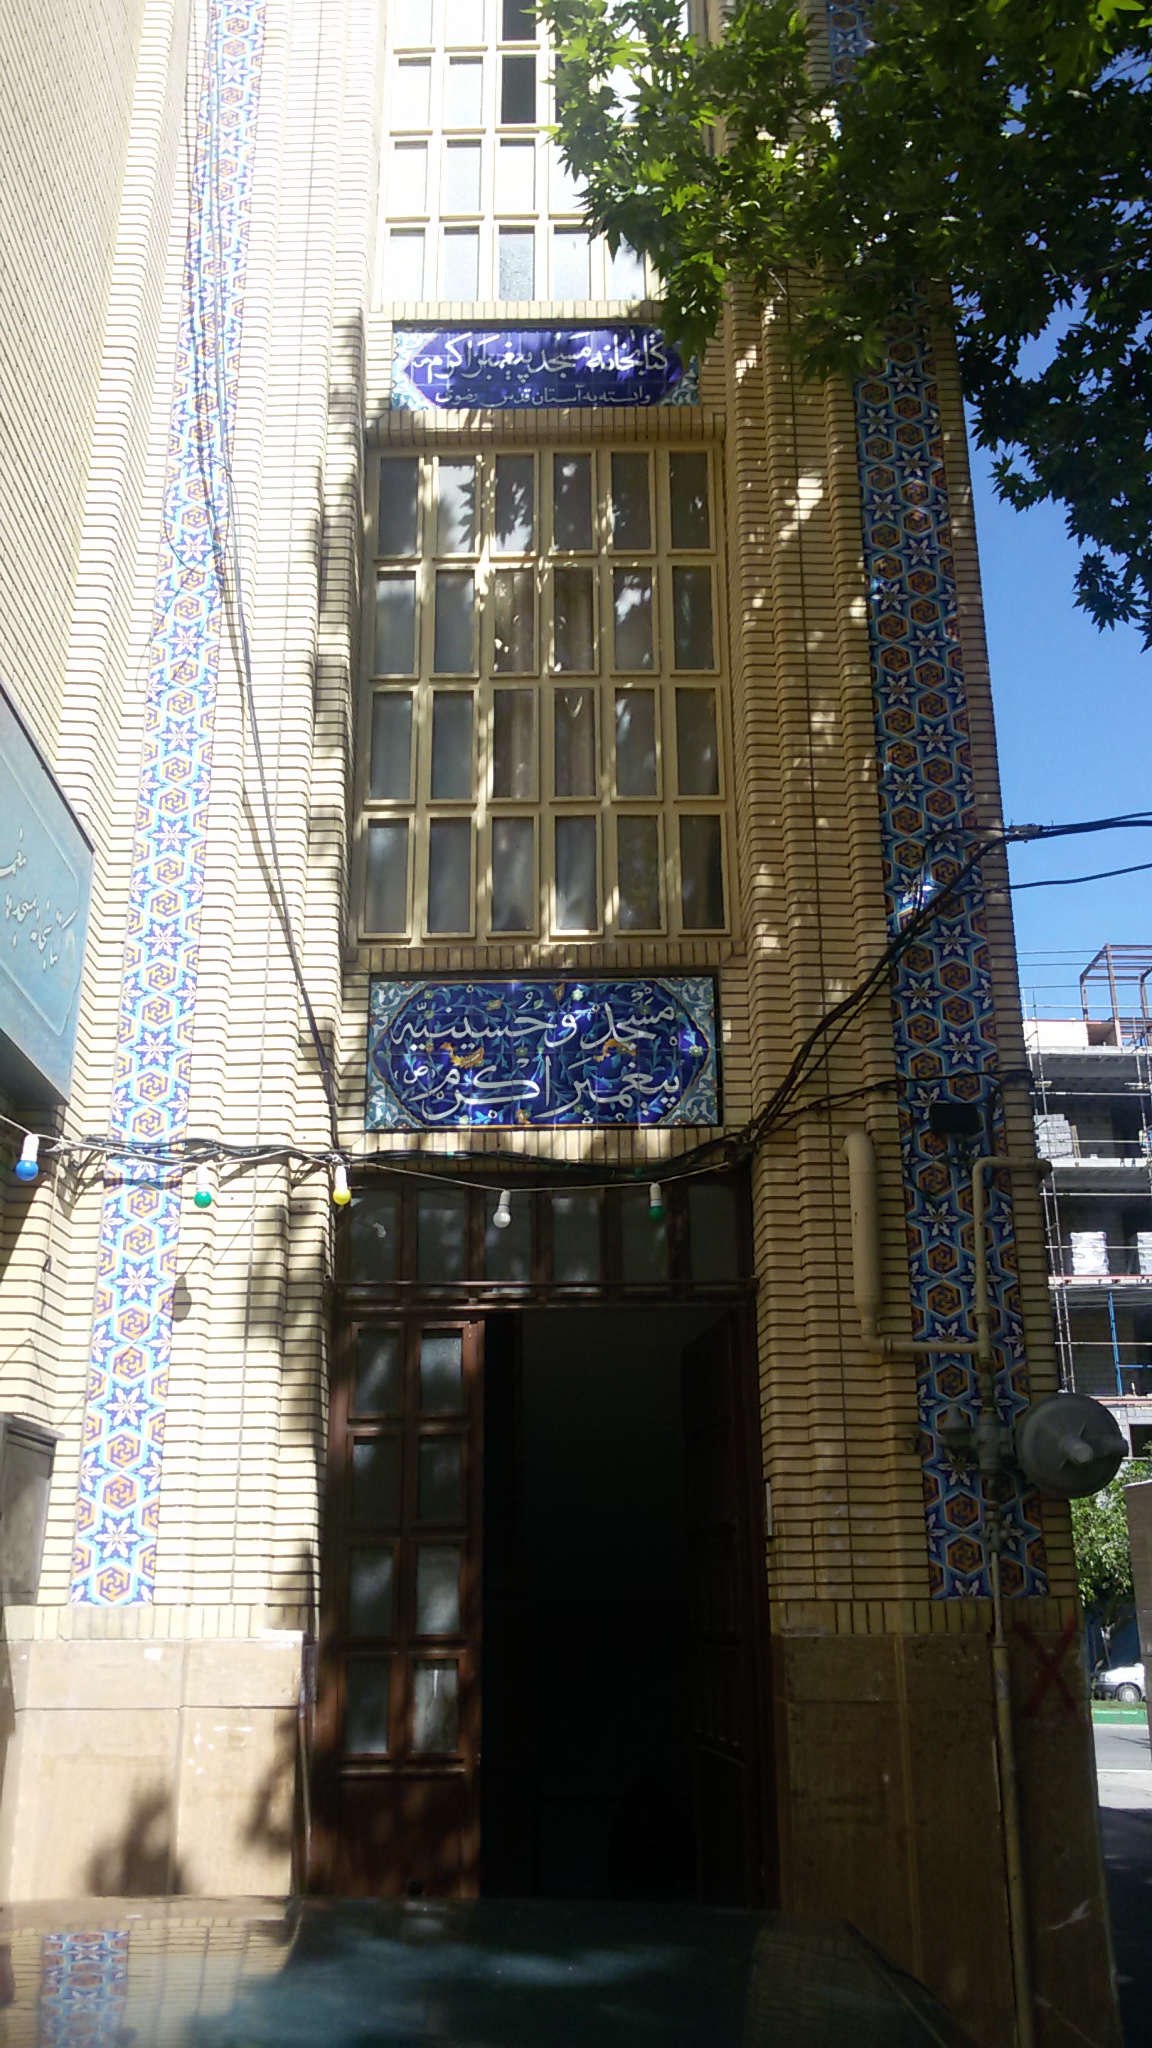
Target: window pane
x,y
575,731
370,1591
513,875
713,1235
440,1482
375,1481
688,488
626,273
517,22
395,625
456,507
373,1228
517,278
515,504
408,186
404,266
636,743
463,21
450,875
576,906
463,91
701,874
413,23
566,191
572,608
571,502
366,1705
413,93
692,614
514,622
461,274
571,264
435,1709
632,608
461,189
438,1589
386,891
638,874
455,603
517,89
508,1252
514,743
390,761
452,745
379,1363
442,1351
631,515
576,1240
643,1240
516,177
698,764
396,524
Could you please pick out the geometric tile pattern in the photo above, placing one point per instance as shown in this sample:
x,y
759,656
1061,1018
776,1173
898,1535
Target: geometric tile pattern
x,y
944,1029
83,1990
115,1550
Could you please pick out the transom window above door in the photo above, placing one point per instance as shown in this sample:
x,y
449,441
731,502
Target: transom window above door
x,y
542,749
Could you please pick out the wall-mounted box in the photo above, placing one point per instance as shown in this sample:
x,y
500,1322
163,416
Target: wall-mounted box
x,y
45,882
27,1451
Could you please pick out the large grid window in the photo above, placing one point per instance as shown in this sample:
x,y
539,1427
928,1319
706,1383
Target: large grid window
x,y
542,745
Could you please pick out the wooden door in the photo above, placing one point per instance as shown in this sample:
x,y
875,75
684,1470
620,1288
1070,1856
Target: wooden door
x,y
396,1800
725,1623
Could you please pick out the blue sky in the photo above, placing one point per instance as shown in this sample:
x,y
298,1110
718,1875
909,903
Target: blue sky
x,y
1074,724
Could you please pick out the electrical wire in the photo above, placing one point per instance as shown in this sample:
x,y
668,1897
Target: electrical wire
x,y
1069,881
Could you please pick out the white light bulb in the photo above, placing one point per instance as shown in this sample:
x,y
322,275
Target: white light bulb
x,y
502,1214
655,1201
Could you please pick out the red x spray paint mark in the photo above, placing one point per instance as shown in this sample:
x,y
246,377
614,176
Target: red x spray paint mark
x,y
1050,1662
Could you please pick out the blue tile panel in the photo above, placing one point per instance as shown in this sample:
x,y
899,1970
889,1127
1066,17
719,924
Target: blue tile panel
x,y
466,367
83,1990
115,1552
943,1024
541,1054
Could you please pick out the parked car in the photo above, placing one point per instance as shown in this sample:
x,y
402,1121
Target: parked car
x,y
1124,1682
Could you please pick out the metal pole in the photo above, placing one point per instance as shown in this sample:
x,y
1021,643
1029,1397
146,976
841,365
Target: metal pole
x,y
1010,1796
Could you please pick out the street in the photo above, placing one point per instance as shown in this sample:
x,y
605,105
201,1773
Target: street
x,y
1124,1776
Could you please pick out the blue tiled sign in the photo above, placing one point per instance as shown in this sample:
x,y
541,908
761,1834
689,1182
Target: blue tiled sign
x,y
541,1053
467,367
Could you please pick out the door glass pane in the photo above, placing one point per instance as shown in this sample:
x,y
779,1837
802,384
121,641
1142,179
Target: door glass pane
x,y
701,874
460,278
390,759
386,883
460,192
517,90
455,508
571,501
516,177
373,1235
574,714
442,1351
463,92
638,874
692,617
698,763
631,516
399,478
366,1705
625,273
435,1709
713,1235
515,504
455,603
571,264
379,1376
576,1240
438,1589
517,272
514,622
413,93
572,606
375,1481
413,23
463,21
513,877
576,906
395,625
508,1252
408,185
643,1240
632,609
688,489
636,743
370,1591
450,875
451,744
440,1484
404,265
514,743
517,22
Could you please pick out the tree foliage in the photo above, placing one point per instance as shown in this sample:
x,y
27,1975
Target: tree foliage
x,y
1103,1556
993,157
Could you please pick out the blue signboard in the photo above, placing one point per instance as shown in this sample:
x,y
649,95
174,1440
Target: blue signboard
x,y
45,877
541,1054
467,367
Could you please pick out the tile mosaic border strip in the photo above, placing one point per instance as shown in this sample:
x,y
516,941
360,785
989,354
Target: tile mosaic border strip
x,y
83,1989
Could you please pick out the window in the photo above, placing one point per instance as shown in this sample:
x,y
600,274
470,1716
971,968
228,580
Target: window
x,y
542,748
517,90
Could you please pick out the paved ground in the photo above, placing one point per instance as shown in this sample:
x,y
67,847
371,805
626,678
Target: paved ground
x,y
1124,1776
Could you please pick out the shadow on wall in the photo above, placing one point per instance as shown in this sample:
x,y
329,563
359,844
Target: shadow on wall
x,y
142,1861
